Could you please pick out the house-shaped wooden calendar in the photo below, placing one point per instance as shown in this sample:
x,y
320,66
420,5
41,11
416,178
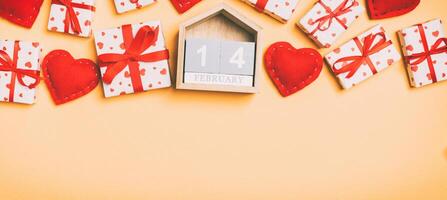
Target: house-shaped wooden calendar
x,y
219,51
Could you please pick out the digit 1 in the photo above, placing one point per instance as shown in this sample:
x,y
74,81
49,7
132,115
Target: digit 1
x,y
202,51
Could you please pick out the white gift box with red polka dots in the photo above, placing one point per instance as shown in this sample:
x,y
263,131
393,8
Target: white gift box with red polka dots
x,y
123,6
329,19
420,39
27,58
154,75
383,56
281,10
84,14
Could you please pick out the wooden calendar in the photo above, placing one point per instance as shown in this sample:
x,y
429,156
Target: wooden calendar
x,y
219,51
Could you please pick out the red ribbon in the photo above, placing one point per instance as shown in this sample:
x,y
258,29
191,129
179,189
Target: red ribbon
x,y
71,19
10,65
418,58
367,49
331,15
260,5
116,63
135,2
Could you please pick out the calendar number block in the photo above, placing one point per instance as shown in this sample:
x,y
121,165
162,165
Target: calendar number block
x,y
219,62
237,58
219,50
202,56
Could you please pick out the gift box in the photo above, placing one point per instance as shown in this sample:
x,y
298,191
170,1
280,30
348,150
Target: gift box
x,y
329,19
281,10
133,58
425,50
123,6
72,16
19,71
362,57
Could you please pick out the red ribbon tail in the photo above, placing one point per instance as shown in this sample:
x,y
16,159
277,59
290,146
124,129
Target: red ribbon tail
x,y
351,67
154,56
354,67
32,74
112,71
74,21
134,70
260,5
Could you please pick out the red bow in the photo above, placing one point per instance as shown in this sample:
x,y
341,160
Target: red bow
x,y
261,4
71,19
333,14
418,58
10,65
115,63
366,49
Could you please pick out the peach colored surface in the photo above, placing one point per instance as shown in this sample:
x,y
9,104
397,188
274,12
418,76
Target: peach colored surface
x,y
379,141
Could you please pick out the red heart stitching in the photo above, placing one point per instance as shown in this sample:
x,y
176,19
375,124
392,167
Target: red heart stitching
x,y
21,12
67,78
380,9
292,69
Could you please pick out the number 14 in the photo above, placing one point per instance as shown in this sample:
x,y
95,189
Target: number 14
x,y
237,58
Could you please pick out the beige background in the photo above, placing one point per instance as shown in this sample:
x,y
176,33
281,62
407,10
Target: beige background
x,y
379,141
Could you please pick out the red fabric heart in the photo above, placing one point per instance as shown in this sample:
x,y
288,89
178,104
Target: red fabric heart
x,y
21,12
184,5
380,9
292,69
67,78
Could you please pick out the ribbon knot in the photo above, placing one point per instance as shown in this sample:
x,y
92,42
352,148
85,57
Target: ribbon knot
x,y
7,64
71,18
135,47
332,15
418,58
367,49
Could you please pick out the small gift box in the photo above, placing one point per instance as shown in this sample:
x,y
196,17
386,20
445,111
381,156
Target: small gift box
x,y
123,6
19,71
133,58
281,10
72,16
329,19
425,51
362,57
